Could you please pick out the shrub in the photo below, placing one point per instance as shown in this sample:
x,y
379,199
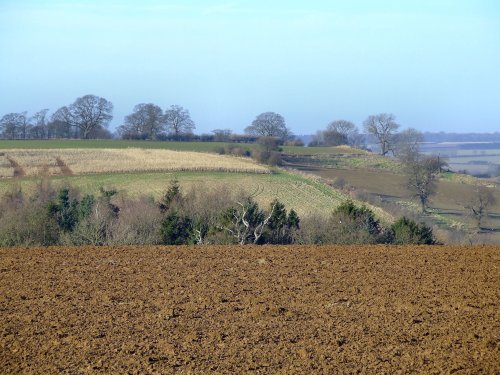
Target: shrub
x,y
65,211
267,157
353,225
314,230
138,223
172,198
95,221
405,231
27,222
204,204
28,225
175,229
281,226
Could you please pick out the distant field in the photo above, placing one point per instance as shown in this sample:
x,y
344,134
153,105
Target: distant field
x,y
177,146
337,150
304,195
447,204
142,167
478,158
111,143
148,171
24,162
344,158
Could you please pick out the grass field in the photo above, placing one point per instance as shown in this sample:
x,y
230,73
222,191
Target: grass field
x,y
167,145
302,194
447,205
111,143
337,150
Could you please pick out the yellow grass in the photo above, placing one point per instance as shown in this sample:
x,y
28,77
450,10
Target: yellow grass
x,y
5,168
89,161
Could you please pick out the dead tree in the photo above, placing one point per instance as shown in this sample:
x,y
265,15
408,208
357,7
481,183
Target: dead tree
x,y
246,222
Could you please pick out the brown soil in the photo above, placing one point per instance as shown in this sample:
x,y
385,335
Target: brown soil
x,y
65,170
250,309
18,170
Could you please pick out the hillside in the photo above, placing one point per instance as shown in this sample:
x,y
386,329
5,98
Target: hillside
x,y
329,176
381,181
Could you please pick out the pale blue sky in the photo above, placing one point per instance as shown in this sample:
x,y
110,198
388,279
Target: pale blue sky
x,y
434,64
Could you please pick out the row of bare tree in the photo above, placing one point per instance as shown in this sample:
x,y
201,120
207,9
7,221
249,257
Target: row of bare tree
x,y
382,128
89,116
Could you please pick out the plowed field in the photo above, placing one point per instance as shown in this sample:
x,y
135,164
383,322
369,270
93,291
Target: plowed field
x,y
250,309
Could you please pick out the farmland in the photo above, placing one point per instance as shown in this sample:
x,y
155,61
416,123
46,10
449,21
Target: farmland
x,y
136,172
476,158
292,309
47,162
382,182
138,168
302,194
103,143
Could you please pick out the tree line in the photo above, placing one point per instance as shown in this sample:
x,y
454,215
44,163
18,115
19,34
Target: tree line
x,y
89,117
197,217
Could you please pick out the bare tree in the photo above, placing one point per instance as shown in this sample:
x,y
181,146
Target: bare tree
x,y
478,205
347,129
58,128
407,144
334,138
39,127
146,122
14,125
422,172
222,135
87,114
246,222
382,127
178,121
269,124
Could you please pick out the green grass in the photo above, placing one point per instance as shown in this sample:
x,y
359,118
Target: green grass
x,y
302,194
111,143
297,150
178,146
370,161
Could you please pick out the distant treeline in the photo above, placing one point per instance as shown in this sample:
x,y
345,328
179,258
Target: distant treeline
x,y
461,137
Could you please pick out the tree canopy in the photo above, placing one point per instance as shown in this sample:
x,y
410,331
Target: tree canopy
x,y
88,114
178,121
268,124
382,127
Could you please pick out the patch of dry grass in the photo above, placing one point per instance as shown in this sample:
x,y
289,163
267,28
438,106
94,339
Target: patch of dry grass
x,y
90,161
6,169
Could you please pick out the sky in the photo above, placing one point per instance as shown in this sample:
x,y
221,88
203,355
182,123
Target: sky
x,y
434,64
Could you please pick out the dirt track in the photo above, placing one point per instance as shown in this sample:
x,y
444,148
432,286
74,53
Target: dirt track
x,y
239,309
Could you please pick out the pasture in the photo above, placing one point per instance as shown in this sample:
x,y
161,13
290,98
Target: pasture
x,y
110,143
447,206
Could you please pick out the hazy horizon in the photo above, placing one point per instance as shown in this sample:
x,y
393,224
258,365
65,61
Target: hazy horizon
x,y
432,64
